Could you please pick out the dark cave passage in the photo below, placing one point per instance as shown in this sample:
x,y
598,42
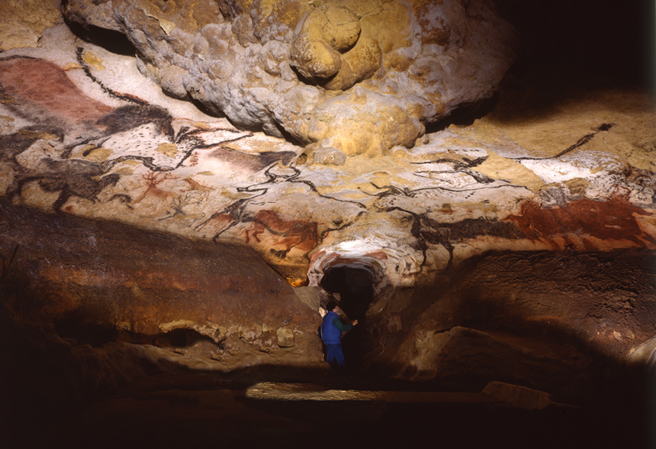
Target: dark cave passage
x,y
354,285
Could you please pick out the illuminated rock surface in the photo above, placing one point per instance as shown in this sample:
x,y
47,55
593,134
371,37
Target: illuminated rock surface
x,y
141,236
22,22
361,77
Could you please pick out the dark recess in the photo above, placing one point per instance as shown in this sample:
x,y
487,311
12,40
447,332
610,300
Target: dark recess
x,y
110,40
355,288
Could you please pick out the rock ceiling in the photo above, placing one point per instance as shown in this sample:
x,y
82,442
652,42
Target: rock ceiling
x,y
316,154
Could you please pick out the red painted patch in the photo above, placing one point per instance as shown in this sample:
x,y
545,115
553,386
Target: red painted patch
x,y
152,181
578,221
287,233
315,256
377,255
219,221
45,87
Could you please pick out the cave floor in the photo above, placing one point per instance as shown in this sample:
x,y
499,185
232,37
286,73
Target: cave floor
x,y
186,409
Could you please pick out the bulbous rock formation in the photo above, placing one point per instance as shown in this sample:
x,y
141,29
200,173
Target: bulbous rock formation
x,y
328,74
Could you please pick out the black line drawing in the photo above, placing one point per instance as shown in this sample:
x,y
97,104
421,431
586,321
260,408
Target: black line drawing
x,y
582,141
236,214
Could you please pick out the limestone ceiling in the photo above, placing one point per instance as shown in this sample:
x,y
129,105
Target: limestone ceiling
x,y
343,77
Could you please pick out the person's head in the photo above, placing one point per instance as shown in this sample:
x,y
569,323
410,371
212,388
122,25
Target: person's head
x,y
332,307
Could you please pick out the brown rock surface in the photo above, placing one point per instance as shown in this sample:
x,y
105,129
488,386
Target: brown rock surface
x,y
22,22
73,274
550,318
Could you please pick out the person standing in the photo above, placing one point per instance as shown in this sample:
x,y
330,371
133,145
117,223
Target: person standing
x,y
331,334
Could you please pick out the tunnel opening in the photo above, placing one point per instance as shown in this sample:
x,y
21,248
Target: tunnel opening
x,y
353,288
354,285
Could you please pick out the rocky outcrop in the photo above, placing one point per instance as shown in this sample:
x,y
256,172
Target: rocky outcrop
x,y
348,77
545,320
97,282
22,23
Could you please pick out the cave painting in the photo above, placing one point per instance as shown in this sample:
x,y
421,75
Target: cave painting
x,y
584,225
288,234
42,89
77,128
266,229
203,180
281,235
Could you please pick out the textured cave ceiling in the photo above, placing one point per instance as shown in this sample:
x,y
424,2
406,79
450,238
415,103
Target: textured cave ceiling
x,y
184,184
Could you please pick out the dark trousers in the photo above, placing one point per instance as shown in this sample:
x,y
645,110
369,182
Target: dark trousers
x,y
335,355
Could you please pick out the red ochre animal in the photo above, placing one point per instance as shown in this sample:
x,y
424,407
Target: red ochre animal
x,y
289,234
41,91
582,224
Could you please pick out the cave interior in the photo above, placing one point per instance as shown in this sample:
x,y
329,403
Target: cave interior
x,y
81,380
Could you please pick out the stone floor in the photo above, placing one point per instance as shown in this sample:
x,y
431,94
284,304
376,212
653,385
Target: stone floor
x,y
178,410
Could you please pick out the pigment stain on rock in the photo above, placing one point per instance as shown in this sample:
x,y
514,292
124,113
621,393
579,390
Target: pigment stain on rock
x,y
585,225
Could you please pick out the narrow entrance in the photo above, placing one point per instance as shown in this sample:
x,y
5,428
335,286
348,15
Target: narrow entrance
x,y
354,284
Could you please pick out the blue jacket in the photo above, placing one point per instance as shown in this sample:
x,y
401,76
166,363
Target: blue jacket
x,y
330,333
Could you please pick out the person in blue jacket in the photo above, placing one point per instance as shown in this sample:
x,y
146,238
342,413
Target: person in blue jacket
x,y
331,334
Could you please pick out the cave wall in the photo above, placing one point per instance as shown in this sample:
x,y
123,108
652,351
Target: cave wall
x,y
97,282
564,322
